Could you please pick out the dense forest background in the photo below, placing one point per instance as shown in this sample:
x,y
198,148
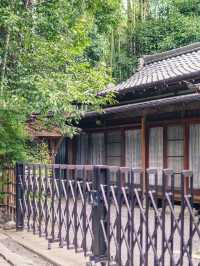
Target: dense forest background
x,y
57,53
139,27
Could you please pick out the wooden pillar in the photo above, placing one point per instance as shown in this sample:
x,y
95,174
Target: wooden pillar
x,y
186,155
70,151
144,148
123,158
123,140
165,152
106,147
89,157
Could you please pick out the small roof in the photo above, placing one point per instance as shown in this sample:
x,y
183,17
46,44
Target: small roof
x,y
36,130
171,66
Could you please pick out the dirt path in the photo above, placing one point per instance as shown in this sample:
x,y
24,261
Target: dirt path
x,y
19,253
3,262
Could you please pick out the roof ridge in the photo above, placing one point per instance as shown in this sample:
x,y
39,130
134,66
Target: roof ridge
x,y
148,59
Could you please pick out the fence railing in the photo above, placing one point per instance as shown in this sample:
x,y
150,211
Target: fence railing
x,y
8,190
101,211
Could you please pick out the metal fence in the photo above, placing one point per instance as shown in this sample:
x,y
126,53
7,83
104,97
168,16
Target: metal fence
x,y
101,211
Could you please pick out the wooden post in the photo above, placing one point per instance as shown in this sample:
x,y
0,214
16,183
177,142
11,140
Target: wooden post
x,y
165,152
186,155
123,151
144,149
123,155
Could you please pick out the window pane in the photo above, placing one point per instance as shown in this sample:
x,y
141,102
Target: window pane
x,y
175,148
114,161
156,151
97,148
133,148
175,151
114,148
82,149
175,132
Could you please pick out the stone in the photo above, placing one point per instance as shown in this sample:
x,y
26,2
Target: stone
x,y
9,225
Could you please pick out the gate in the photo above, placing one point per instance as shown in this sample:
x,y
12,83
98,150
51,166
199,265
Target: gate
x,y
115,215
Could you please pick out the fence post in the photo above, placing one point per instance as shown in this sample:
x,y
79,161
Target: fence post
x,y
19,197
99,213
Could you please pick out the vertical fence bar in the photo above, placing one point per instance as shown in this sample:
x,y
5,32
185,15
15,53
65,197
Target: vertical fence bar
x,y
132,207
46,219
60,206
163,216
53,204
34,198
146,193
128,184
191,220
40,199
155,216
119,222
84,174
19,197
99,213
187,187
67,206
165,180
172,216
74,184
29,197
182,218
108,178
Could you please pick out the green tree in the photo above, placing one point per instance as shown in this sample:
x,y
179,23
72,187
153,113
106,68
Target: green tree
x,y
45,67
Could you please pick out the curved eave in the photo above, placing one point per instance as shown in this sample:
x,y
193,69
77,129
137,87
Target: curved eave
x,y
183,99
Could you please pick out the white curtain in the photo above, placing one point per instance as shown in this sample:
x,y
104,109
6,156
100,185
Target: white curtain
x,y
175,151
97,148
156,152
133,149
194,153
82,149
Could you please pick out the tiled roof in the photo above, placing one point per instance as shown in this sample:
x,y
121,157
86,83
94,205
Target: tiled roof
x,y
171,66
35,130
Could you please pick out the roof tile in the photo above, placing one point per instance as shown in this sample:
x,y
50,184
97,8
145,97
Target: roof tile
x,y
163,67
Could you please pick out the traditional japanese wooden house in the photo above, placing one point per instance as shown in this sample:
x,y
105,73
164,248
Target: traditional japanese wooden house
x,y
156,122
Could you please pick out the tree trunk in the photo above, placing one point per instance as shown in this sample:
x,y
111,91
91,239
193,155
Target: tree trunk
x,y
4,62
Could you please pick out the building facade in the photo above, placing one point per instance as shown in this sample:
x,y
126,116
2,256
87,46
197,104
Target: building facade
x,y
156,123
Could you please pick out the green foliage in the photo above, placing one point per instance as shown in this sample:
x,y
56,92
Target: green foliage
x,y
37,152
180,27
45,67
55,56
164,25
